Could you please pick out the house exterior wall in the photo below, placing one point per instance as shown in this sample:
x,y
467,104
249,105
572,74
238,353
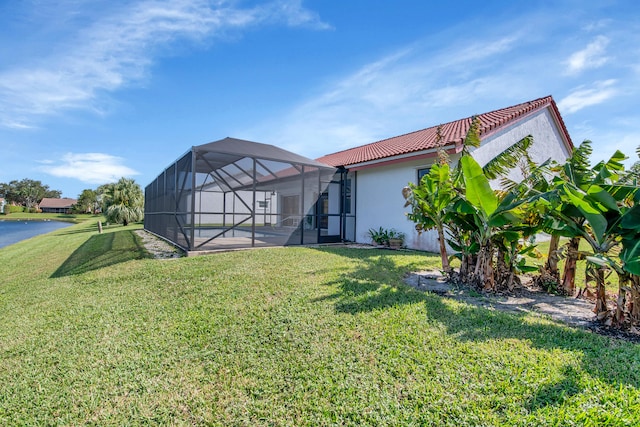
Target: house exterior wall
x,y
379,189
547,141
56,210
380,203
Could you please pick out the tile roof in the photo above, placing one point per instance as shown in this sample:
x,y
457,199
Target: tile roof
x,y
49,202
453,132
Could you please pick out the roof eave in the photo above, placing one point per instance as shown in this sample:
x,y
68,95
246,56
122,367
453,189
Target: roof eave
x,y
401,158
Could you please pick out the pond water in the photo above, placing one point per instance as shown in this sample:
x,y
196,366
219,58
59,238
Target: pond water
x,y
14,231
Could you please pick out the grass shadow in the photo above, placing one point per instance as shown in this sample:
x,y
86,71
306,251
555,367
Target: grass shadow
x,y
378,284
103,250
78,231
373,284
557,393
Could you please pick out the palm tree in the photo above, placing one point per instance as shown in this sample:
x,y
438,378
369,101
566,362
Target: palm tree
x,y
124,201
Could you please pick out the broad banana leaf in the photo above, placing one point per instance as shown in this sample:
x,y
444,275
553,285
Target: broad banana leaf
x,y
600,195
630,256
478,190
595,218
631,219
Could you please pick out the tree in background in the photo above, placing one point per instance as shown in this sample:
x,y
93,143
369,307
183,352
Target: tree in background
x,y
87,201
27,192
102,196
124,202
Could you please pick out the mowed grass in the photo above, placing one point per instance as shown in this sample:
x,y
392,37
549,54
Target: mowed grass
x,y
93,332
17,216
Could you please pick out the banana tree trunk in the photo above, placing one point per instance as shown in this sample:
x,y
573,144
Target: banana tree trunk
x,y
467,263
504,272
551,265
569,276
621,302
443,249
483,273
601,308
634,299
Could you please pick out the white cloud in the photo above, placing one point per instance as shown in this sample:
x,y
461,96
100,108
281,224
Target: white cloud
x,y
591,56
91,168
119,48
406,90
293,13
598,25
585,97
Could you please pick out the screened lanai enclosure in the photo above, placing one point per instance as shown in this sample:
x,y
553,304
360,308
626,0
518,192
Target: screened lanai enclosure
x,y
236,194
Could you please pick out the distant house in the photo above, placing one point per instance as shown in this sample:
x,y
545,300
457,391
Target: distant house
x,y
2,203
52,205
384,167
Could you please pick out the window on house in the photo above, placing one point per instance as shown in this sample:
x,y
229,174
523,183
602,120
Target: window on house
x,y
422,172
347,196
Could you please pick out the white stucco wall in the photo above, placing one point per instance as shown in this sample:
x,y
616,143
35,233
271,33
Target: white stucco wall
x,y
547,142
380,203
379,189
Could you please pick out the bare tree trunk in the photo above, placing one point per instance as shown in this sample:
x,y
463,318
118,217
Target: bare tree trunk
x,y
569,277
443,250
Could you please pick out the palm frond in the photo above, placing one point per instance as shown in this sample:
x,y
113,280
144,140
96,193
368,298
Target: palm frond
x,y
507,159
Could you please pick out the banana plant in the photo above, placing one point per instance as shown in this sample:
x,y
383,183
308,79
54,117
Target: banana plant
x,y
429,201
495,224
593,210
576,170
629,271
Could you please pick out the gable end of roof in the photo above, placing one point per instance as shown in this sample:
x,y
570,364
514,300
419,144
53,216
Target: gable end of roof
x,y
453,134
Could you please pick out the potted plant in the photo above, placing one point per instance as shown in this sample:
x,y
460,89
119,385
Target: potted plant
x,y
396,239
380,236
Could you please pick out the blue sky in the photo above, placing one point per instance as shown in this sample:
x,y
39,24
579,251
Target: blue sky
x,y
94,90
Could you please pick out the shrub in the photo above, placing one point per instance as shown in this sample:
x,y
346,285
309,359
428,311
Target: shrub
x,y
395,234
380,236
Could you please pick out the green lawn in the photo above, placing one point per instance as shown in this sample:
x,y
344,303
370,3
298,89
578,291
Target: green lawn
x,y
92,331
17,216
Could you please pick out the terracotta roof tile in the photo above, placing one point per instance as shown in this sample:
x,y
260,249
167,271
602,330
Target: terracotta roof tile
x,y
49,202
453,133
